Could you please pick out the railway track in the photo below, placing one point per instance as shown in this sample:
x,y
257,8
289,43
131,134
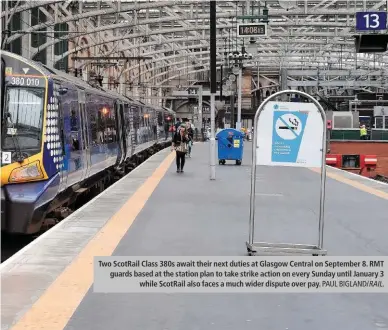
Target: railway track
x,y
10,244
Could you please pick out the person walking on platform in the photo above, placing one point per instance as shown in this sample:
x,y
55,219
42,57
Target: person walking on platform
x,y
179,143
363,132
190,134
177,124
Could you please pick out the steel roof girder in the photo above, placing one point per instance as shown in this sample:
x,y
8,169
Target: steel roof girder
x,y
323,58
79,48
171,57
218,64
334,72
340,83
306,74
155,37
303,42
175,68
110,40
50,43
378,4
200,46
172,19
29,5
186,24
95,13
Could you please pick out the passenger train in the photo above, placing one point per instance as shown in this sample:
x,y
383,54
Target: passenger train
x,y
61,137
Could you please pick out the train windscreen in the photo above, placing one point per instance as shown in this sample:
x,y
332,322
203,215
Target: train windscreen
x,y
24,108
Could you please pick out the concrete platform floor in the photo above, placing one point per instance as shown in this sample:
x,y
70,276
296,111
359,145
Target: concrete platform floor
x,y
187,214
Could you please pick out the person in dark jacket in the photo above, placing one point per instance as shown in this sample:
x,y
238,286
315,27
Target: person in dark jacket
x,y
177,124
179,143
190,134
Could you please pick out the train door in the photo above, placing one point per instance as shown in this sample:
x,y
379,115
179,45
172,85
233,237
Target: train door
x,y
82,127
124,131
85,133
136,113
2,81
61,116
129,128
120,131
72,136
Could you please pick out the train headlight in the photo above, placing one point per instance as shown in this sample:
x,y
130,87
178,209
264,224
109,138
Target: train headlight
x,y
28,172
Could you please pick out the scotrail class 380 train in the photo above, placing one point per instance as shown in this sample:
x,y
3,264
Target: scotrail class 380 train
x,y
62,137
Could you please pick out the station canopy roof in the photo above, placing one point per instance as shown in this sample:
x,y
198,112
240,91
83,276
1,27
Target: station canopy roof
x,y
300,34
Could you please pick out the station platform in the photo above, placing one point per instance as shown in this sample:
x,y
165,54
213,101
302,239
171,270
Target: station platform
x,y
155,211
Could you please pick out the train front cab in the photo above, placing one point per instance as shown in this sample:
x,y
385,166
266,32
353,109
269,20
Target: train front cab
x,y
28,180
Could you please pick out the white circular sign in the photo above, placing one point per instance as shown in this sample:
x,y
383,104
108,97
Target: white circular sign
x,y
288,127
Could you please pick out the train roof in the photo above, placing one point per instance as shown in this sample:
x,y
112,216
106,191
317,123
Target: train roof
x,y
35,65
57,74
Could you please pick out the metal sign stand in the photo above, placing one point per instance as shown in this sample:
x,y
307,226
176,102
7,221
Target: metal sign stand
x,y
284,248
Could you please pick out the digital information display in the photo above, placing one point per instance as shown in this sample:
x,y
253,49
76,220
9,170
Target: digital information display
x,y
371,21
252,29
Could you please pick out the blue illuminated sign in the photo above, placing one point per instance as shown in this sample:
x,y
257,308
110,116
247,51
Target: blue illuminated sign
x,y
371,21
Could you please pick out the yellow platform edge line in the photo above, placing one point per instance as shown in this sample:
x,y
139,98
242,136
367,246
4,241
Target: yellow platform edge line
x,y
55,307
355,184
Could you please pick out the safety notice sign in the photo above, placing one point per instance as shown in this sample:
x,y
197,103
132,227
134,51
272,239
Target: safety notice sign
x,y
287,135
290,134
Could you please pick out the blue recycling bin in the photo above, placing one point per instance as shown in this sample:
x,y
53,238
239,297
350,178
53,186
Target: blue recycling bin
x,y
230,145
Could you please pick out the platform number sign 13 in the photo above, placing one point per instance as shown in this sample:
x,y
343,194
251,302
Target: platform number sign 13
x,y
370,21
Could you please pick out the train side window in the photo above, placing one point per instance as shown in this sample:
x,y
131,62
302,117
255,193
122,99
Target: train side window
x,y
160,118
136,118
146,117
136,123
87,137
82,120
110,128
93,122
74,126
73,118
379,122
142,120
101,126
127,119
